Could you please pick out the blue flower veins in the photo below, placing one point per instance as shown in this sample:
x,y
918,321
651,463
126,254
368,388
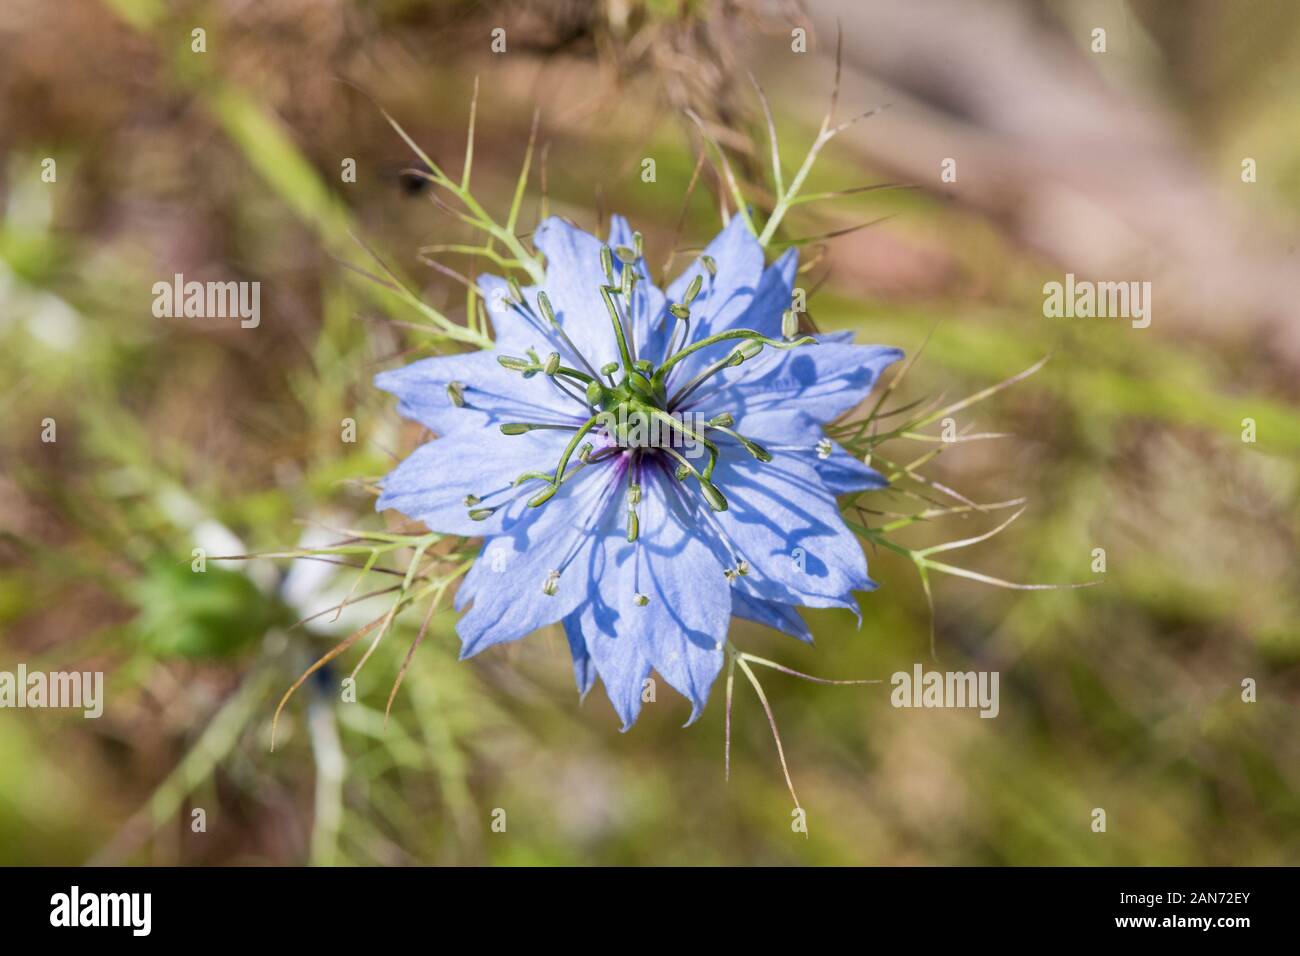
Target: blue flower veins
x,y
641,464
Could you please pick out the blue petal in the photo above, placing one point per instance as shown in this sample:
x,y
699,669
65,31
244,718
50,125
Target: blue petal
x,y
517,328
775,292
622,667
684,624
680,630
492,394
843,474
843,337
506,582
825,380
617,657
778,616
431,484
798,433
787,525
584,669
724,299
573,280
621,233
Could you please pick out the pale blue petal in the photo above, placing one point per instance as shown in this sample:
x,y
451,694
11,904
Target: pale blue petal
x,y
724,299
843,474
684,624
825,380
775,292
573,280
798,433
680,630
787,525
584,668
506,582
622,666
844,337
492,394
621,233
515,328
778,616
431,484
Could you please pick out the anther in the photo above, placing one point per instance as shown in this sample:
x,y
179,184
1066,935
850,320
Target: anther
x,y
607,264
753,447
789,324
552,363
479,514
679,311
456,394
472,500
824,449
693,290
640,600
721,423
544,303
516,293
626,255
609,368
543,496
638,243
742,567
551,584
514,364
742,353
717,501
633,495
710,264
536,365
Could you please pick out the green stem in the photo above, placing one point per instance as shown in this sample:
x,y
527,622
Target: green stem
x,y
717,501
748,334
618,329
684,392
678,426
569,449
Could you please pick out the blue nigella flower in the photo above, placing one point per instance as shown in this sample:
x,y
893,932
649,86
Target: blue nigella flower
x,y
642,465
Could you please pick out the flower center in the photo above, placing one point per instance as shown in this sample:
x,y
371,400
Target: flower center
x,y
633,407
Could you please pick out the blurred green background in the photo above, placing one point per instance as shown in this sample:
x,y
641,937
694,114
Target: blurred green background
x,y
174,434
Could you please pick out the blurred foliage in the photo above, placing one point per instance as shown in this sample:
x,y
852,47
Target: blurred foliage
x,y
184,615
175,434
